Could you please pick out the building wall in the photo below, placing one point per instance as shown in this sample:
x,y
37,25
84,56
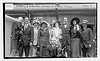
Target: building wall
x,y
8,26
89,18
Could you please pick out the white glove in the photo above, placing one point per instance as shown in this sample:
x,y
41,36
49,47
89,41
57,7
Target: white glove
x,y
37,46
20,40
31,44
89,45
66,54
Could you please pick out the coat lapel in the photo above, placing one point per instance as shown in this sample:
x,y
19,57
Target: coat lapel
x,y
84,32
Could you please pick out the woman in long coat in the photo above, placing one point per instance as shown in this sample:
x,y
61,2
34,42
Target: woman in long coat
x,y
43,40
75,37
55,39
34,36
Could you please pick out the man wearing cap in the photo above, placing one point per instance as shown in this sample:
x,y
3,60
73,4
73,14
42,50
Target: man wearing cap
x,y
87,39
26,37
66,36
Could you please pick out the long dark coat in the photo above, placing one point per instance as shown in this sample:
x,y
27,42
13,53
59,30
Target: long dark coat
x,y
87,38
65,35
27,36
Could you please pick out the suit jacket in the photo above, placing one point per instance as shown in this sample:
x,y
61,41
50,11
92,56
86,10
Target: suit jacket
x,y
65,34
27,36
87,37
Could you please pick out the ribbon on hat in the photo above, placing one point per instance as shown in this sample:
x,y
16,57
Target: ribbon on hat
x,y
85,21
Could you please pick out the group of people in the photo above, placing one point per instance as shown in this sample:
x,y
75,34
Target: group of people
x,y
57,40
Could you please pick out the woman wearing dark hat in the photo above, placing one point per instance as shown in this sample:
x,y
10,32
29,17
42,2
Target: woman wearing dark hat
x,y
43,40
75,37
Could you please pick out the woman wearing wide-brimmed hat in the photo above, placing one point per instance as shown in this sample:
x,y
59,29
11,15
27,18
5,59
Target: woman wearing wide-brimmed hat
x,y
34,36
75,37
43,40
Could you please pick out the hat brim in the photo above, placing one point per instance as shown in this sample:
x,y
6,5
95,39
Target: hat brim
x,y
43,23
75,19
84,22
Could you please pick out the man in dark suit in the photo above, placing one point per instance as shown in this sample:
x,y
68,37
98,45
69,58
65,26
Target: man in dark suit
x,y
26,37
66,36
87,39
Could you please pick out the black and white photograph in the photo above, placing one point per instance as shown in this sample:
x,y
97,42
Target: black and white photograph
x,y
50,30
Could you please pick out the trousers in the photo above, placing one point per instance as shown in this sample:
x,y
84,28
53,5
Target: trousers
x,y
26,49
